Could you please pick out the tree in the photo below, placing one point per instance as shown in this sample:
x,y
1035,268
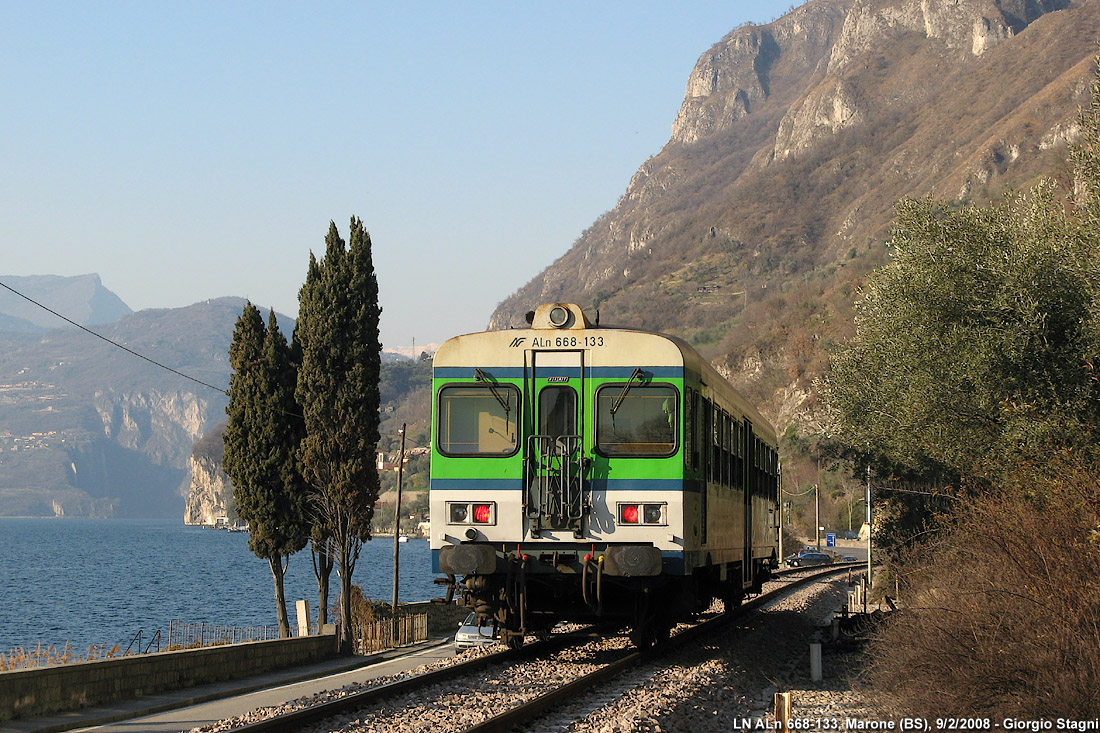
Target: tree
x,y
338,390
970,348
261,442
975,349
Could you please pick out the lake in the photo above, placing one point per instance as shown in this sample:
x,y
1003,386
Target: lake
x,y
100,581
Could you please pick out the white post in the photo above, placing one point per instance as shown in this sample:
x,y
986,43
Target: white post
x,y
815,662
302,609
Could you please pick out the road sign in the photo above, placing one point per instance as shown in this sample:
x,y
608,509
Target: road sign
x,y
830,539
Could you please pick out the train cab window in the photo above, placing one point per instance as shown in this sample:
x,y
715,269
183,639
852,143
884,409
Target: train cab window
x,y
640,421
478,420
557,411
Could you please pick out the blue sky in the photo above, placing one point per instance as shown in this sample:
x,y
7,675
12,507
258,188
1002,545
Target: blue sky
x,y
187,151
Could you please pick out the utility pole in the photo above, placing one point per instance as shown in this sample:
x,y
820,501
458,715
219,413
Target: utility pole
x,y
397,531
817,517
869,516
779,508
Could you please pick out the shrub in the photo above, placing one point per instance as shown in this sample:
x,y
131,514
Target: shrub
x,y
1002,613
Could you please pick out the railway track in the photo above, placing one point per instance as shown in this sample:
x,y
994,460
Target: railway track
x,y
559,651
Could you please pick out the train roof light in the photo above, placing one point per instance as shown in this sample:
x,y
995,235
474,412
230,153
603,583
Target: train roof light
x,y
559,316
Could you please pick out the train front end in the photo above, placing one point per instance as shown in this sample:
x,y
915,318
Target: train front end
x,y
556,476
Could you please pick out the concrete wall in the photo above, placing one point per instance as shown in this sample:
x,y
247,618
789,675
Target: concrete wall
x,y
56,688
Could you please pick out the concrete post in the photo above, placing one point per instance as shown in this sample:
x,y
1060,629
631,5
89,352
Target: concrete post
x,y
302,610
815,662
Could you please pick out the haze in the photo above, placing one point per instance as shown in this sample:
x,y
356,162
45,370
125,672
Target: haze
x,y
187,151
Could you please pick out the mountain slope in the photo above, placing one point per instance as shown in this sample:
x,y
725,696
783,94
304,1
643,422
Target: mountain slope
x,y
82,298
749,232
87,429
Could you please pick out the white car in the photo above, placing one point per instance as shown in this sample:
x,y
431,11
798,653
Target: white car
x,y
471,635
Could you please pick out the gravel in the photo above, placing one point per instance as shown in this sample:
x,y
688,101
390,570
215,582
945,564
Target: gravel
x,y
727,683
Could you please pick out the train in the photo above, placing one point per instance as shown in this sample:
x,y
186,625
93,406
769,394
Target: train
x,y
595,474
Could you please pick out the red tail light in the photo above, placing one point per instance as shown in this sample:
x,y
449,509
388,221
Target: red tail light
x,y
468,512
653,513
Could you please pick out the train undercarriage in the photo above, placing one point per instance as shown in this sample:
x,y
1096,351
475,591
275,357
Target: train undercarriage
x,y
525,593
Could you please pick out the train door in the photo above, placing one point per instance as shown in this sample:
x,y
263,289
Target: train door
x,y
748,478
555,497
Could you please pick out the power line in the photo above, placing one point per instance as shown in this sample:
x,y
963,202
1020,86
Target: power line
x,y
112,343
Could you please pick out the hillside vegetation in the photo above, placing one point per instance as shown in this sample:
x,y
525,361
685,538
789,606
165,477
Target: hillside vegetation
x,y
971,388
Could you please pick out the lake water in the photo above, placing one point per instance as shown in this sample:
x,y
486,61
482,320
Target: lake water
x,y
100,581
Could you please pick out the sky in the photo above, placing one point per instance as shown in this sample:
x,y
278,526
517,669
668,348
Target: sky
x,y
193,150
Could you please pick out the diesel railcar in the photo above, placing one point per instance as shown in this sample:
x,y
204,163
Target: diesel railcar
x,y
587,473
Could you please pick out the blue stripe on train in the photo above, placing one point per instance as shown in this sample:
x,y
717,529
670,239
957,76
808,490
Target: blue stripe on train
x,y
616,372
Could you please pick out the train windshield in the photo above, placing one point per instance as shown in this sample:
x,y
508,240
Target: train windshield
x,y
478,420
638,422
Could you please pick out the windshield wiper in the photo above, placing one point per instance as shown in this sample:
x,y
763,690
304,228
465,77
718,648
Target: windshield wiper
x,y
481,377
637,374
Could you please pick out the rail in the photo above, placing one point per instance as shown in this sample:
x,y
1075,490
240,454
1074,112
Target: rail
x,y
530,710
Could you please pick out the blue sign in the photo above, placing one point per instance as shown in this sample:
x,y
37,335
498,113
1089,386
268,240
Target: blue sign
x,y
830,539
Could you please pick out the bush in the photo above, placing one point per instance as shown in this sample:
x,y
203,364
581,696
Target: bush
x,y
1002,613
364,610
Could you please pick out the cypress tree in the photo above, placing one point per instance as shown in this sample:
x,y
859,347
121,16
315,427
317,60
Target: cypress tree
x,y
322,549
338,390
261,442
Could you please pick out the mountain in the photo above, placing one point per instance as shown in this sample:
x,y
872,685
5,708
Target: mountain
x,y
750,231
82,299
87,429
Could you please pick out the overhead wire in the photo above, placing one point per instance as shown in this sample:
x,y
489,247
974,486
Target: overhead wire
x,y
112,343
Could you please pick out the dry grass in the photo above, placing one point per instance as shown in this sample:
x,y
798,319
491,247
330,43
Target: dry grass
x,y
41,656
1003,612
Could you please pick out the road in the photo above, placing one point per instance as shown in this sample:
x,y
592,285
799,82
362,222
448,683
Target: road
x,y
231,698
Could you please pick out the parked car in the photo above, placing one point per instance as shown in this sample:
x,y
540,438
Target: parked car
x,y
800,553
471,635
807,558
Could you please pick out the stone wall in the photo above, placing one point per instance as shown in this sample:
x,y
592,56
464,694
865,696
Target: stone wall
x,y
56,688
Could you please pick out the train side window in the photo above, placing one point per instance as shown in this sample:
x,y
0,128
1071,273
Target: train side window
x,y
478,420
707,438
716,444
689,428
696,429
726,472
637,422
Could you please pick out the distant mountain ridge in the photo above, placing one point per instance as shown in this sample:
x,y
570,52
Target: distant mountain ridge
x,y
87,429
750,231
81,298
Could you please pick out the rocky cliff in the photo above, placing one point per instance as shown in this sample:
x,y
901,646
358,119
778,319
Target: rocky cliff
x,y
210,494
89,430
750,231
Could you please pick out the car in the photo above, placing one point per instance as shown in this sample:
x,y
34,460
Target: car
x,y
470,634
798,554
807,558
